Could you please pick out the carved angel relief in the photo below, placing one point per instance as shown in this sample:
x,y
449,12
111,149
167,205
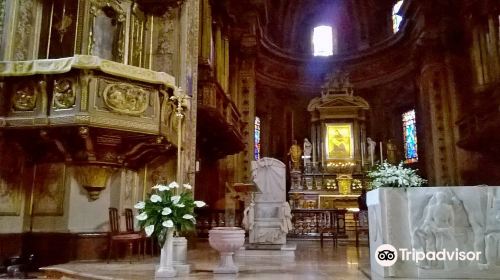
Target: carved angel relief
x,y
126,99
24,98
64,96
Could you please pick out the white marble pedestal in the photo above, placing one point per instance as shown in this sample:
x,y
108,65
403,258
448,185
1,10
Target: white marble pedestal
x,y
286,251
180,256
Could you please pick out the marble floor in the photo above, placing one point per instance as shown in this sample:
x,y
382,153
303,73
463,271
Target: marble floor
x,y
345,262
310,262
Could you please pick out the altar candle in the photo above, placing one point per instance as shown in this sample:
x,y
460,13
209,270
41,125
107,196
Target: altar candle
x,y
362,155
381,154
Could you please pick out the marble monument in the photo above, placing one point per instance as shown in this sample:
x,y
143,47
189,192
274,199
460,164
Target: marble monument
x,y
426,221
268,218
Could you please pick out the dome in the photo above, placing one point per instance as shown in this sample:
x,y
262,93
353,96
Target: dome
x,y
356,25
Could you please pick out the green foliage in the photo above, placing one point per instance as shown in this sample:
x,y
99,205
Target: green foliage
x,y
167,208
388,175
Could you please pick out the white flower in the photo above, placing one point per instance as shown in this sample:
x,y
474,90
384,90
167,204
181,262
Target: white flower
x,y
175,199
149,230
187,217
168,224
199,203
173,185
163,188
188,187
166,211
140,205
157,186
155,198
180,205
141,217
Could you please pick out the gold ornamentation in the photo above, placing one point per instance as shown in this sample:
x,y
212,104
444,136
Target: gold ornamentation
x,y
339,141
344,183
126,99
24,98
64,95
93,178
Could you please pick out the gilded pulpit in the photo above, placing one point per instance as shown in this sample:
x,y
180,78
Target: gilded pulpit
x,y
90,99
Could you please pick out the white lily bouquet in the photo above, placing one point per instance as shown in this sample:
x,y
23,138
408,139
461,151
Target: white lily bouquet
x,y
167,208
396,176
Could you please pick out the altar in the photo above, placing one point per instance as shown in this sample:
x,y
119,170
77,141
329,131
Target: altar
x,y
435,232
332,170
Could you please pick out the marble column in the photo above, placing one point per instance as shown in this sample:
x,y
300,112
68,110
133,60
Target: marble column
x,y
436,116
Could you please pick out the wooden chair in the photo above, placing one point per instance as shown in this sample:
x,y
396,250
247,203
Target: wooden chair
x,y
129,222
361,224
327,225
115,236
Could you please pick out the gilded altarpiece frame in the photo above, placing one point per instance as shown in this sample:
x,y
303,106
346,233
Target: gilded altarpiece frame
x,y
339,141
49,189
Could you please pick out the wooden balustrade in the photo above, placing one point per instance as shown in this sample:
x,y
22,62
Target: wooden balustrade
x,y
306,222
207,219
309,222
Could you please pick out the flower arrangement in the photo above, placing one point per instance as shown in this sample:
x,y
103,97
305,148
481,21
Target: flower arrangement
x,y
388,175
167,209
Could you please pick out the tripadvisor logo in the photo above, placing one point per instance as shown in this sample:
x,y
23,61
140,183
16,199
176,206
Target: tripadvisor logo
x,y
387,255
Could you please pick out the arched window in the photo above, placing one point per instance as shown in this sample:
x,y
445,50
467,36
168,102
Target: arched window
x,y
323,40
396,19
256,150
410,136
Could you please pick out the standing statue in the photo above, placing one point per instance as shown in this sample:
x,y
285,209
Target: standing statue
x,y
371,149
295,153
391,152
307,152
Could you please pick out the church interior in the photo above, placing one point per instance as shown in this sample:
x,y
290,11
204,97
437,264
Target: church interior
x,y
100,100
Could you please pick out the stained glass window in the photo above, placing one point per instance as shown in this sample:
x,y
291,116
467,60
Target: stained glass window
x,y
410,136
256,150
396,19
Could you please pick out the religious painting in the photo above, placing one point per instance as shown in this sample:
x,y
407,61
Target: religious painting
x,y
339,141
48,195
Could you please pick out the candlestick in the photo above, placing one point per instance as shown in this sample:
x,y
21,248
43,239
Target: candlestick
x,y
381,154
362,155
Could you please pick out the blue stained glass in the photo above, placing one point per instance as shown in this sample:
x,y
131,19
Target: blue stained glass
x,y
410,136
256,150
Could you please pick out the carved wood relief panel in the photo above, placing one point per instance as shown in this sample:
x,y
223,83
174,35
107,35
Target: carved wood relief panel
x,y
11,171
49,189
64,94
126,98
